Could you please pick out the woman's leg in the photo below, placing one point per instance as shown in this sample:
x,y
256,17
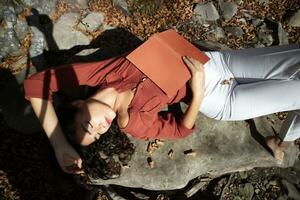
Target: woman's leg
x,y
251,65
261,98
268,82
256,67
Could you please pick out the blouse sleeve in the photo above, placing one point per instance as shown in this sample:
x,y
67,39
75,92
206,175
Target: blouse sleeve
x,y
148,126
43,84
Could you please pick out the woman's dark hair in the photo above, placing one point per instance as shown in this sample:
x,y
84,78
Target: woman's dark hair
x,y
103,158
66,115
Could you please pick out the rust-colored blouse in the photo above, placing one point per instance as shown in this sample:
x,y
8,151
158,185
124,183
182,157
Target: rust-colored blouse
x,y
145,119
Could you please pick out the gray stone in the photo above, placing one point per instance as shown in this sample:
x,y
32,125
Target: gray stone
x,y
295,19
264,35
243,175
229,9
243,20
77,4
18,8
205,13
210,45
292,190
108,27
121,5
239,2
38,42
3,48
259,45
43,6
65,34
216,33
11,43
263,1
3,6
235,31
9,16
282,35
221,147
21,29
248,14
257,22
92,21
246,191
87,52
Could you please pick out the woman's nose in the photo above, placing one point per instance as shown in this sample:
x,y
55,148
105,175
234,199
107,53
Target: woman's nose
x,y
99,127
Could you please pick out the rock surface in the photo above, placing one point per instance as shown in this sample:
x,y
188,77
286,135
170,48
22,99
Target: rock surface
x,y
92,21
43,6
229,9
38,42
205,13
65,33
217,152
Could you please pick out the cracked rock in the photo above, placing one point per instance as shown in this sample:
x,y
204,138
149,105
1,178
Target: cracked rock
x,y
65,33
205,13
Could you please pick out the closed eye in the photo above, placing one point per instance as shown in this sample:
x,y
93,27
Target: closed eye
x,y
90,124
85,129
95,138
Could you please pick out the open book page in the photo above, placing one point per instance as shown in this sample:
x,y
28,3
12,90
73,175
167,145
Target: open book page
x,y
160,59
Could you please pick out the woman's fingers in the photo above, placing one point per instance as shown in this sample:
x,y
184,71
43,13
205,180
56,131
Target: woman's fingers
x,y
78,162
189,63
73,169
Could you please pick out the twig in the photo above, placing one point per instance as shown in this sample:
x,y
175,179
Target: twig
x,y
226,186
197,185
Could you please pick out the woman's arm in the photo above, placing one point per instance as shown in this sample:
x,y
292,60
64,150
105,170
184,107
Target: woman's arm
x,y
166,125
43,84
67,157
197,84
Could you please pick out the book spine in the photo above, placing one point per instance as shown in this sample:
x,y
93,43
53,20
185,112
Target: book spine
x,y
176,54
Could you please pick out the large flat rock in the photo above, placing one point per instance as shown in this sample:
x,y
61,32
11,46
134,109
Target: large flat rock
x,y
221,147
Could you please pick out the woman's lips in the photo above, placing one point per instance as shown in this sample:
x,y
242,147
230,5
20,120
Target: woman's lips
x,y
108,121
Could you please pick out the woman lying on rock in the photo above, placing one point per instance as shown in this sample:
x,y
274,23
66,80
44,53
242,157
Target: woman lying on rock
x,y
233,85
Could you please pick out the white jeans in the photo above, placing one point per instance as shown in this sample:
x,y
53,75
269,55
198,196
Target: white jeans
x,y
243,84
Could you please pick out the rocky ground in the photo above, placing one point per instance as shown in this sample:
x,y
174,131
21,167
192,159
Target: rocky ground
x,y
27,165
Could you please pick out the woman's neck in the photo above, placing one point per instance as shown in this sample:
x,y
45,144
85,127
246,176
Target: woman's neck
x,y
107,96
117,101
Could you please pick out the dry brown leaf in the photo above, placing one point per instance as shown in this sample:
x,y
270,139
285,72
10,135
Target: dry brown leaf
x,y
190,152
171,154
150,162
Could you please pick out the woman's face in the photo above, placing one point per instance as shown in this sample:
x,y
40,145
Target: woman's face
x,y
93,119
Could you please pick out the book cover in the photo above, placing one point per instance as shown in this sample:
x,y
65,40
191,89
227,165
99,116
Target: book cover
x,y
160,59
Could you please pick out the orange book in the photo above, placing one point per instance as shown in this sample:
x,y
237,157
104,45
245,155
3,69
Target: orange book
x,y
160,59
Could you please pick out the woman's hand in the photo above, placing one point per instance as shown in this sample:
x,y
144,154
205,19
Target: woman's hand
x,y
68,159
197,81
